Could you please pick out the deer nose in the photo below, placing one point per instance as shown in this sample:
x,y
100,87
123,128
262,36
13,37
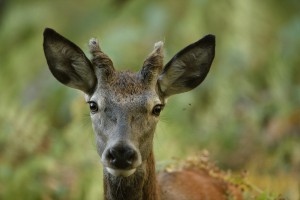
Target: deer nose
x,y
121,157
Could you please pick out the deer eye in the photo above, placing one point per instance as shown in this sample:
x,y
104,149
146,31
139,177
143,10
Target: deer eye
x,y
93,106
157,109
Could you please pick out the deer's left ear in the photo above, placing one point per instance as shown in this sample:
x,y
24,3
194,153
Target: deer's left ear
x,y
188,68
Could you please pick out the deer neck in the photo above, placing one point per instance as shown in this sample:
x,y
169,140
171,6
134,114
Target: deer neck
x,y
139,186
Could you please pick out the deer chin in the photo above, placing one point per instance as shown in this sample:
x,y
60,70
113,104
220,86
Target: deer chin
x,y
120,172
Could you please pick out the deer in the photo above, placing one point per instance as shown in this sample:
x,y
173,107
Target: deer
x,y
124,109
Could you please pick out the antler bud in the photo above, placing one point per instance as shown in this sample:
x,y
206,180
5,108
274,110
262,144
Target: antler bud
x,y
100,59
153,65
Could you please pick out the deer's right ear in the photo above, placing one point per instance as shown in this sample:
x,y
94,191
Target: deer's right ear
x,y
68,63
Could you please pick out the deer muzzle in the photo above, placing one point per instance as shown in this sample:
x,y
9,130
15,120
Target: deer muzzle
x,y
121,159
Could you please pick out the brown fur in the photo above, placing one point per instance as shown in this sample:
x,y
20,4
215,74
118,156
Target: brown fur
x,y
190,184
127,83
150,190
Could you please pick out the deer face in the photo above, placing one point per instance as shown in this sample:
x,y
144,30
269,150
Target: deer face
x,y
125,106
124,115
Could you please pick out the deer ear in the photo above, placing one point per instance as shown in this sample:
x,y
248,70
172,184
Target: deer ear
x,y
68,63
188,68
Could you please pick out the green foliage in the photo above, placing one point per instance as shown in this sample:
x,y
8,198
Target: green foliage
x,y
246,112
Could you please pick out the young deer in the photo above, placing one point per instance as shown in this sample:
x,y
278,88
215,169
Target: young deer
x,y
125,108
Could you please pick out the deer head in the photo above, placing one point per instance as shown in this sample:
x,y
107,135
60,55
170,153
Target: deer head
x,y
125,106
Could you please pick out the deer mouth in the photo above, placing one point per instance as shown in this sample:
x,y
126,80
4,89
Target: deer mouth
x,y
120,172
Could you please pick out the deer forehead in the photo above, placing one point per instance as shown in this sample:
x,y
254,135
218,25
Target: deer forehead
x,y
125,90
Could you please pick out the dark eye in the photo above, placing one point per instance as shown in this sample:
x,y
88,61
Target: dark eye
x,y
157,109
93,106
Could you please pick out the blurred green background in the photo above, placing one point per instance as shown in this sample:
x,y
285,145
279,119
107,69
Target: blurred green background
x,y
246,113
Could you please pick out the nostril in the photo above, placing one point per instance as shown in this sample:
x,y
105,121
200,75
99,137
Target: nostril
x,y
112,153
130,156
121,157
112,156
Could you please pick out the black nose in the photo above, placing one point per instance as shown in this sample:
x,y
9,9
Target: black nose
x,y
121,157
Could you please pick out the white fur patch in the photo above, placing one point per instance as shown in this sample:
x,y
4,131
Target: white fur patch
x,y
158,45
120,172
94,45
